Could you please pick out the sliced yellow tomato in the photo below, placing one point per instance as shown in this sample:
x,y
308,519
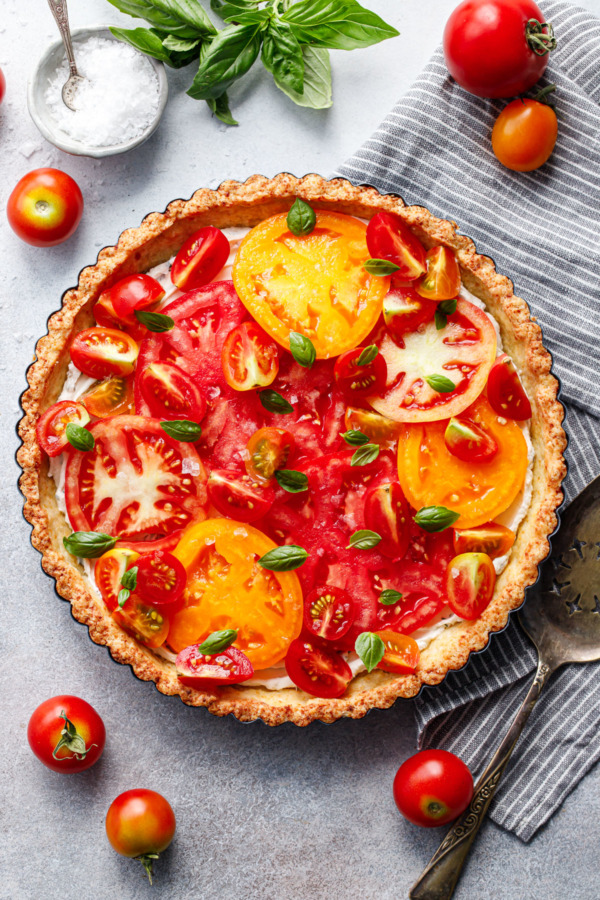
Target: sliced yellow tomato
x,y
314,284
432,476
227,588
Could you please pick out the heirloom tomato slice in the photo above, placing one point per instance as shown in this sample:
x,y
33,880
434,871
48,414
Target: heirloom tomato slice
x,y
442,279
228,588
200,259
160,578
404,310
237,496
170,393
134,293
432,476
112,397
401,655
339,301
463,352
320,672
136,482
268,450
109,571
250,358
388,237
360,379
52,425
505,392
328,612
100,352
199,671
491,538
470,584
377,428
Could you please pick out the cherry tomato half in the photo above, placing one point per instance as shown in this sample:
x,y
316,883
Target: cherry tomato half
x,y
432,788
66,734
171,393
442,279
468,441
250,358
401,655
360,379
200,259
505,392
201,671
322,673
493,539
148,625
160,578
328,612
238,496
111,397
377,428
387,513
140,824
109,571
404,310
45,207
100,352
470,584
269,449
52,425
388,237
130,294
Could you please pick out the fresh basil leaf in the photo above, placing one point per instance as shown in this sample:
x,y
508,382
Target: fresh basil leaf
x,y
370,648
389,597
217,642
444,309
143,40
283,559
301,219
79,437
441,320
355,438
291,481
365,455
184,18
363,539
317,80
220,108
435,518
88,544
179,45
123,596
440,383
380,267
282,55
251,17
337,24
227,8
274,402
182,430
367,356
229,56
302,349
156,322
129,579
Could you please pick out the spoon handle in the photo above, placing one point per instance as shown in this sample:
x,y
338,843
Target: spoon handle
x,y
439,878
59,11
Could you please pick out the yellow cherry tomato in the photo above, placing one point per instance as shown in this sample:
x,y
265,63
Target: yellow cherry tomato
x,y
524,135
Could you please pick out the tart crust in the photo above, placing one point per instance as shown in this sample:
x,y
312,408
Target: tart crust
x,y
156,240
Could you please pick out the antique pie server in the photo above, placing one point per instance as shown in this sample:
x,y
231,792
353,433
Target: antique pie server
x,y
562,618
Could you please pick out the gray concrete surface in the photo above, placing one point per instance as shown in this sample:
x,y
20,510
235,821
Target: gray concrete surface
x,y
283,814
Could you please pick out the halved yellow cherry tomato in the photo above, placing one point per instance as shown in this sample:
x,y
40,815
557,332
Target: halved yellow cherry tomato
x,y
227,588
268,450
112,397
148,625
432,476
401,653
377,428
470,580
442,278
314,284
491,538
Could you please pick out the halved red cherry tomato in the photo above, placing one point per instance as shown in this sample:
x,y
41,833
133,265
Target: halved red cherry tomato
x,y
360,380
387,513
388,237
322,673
377,428
100,352
505,392
130,294
112,397
109,571
467,441
328,612
200,259
401,653
197,670
493,539
170,392
160,578
269,449
250,358
104,312
442,280
45,207
417,611
470,584
52,425
143,622
238,496
432,788
66,734
404,310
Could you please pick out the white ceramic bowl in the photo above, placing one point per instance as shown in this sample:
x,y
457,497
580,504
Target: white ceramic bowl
x,y
40,113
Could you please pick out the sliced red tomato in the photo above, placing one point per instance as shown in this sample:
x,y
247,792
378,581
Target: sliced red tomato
x,y
170,393
200,259
470,583
418,611
52,425
505,392
136,482
160,578
109,571
328,612
493,539
134,293
112,397
388,237
468,441
322,673
147,625
237,496
442,279
360,379
462,352
401,655
100,352
250,358
404,310
268,450
387,513
197,670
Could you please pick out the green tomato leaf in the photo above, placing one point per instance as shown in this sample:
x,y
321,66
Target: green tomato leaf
x,y
317,80
355,438
365,455
370,648
217,642
143,40
79,437
291,481
88,544
274,402
154,321
220,108
367,356
380,267
440,383
182,430
389,597
337,24
282,55
435,518
283,559
301,219
363,539
302,349
184,18
229,56
129,579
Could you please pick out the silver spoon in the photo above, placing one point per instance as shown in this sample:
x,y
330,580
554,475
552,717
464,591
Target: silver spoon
x,y
562,618
59,11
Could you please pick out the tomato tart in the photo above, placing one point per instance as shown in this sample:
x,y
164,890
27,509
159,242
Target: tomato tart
x,y
292,449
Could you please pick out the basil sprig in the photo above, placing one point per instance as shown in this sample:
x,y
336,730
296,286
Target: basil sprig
x,y
154,321
380,267
123,596
274,402
291,481
218,641
302,349
88,544
128,584
440,383
363,539
184,430
79,437
444,309
389,597
283,559
365,455
301,218
370,648
355,438
435,518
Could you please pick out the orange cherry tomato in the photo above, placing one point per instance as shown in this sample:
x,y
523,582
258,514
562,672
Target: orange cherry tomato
x,y
524,135
432,476
388,237
401,653
45,207
442,279
468,441
227,588
52,425
377,428
491,538
145,623
109,571
470,581
100,352
269,449
200,259
112,397
250,358
339,302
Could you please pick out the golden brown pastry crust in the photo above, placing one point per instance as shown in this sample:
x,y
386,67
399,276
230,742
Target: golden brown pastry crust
x,y
156,240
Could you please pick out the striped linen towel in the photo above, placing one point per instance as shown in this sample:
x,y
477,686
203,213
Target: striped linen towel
x,y
543,229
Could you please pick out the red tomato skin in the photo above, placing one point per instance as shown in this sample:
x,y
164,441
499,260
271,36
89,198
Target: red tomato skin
x,y
388,237
333,672
134,292
486,48
505,392
432,788
202,672
50,441
360,381
140,821
45,207
45,727
200,259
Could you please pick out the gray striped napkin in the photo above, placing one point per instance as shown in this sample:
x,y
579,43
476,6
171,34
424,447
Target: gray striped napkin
x,y
542,228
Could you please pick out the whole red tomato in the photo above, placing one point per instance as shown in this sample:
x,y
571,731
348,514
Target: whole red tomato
x,y
140,824
45,207
432,788
66,734
497,48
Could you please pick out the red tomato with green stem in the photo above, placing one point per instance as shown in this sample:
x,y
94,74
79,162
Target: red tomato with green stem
x,y
100,352
388,237
524,134
140,824
45,207
51,428
66,734
200,259
432,788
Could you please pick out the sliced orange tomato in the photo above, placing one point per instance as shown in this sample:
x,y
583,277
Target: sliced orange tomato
x,y
432,476
401,653
491,538
339,302
227,588
442,279
111,397
461,353
377,428
249,358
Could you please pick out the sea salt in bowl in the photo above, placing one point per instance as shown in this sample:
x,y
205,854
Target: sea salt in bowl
x,y
92,131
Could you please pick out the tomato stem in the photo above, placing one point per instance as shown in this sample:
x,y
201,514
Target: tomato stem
x,y
541,95
147,860
540,41
72,740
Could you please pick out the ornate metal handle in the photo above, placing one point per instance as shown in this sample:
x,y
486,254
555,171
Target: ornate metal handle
x,y
439,878
59,11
